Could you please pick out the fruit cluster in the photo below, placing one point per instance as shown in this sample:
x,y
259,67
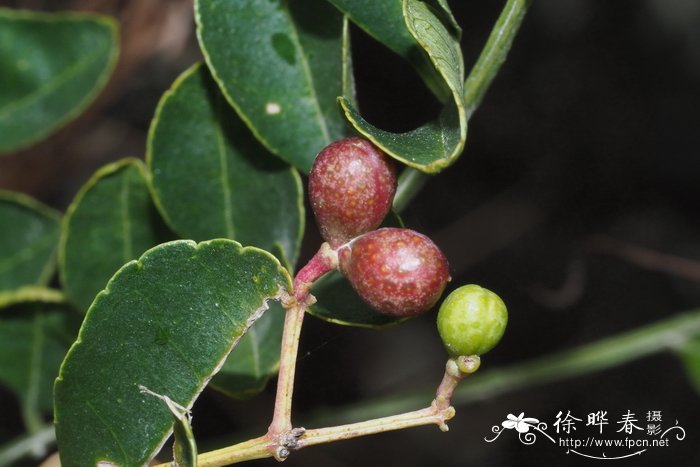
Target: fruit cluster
x,y
397,271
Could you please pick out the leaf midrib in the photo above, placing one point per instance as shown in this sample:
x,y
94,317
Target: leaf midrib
x,y
223,164
308,75
51,85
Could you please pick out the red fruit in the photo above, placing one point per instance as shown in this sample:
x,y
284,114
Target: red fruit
x,y
351,187
398,272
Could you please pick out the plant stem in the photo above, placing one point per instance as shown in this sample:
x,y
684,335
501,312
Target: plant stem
x,y
258,448
482,74
669,334
34,444
410,183
672,333
323,261
437,413
494,53
282,415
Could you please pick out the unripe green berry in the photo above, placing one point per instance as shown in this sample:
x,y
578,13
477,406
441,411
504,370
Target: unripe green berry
x,y
471,320
351,188
398,272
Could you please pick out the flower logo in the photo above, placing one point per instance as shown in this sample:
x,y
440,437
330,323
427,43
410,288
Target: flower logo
x,y
521,423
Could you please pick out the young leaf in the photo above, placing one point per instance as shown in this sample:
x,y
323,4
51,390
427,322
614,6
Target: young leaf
x,y
435,145
53,66
35,337
28,240
255,359
279,64
211,178
111,221
165,322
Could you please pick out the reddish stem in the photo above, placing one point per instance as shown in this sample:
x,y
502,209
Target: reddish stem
x,y
323,261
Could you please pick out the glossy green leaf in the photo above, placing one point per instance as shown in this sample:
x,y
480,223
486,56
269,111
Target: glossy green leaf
x,y
28,241
111,221
255,359
384,21
690,354
279,63
212,179
53,66
435,145
165,323
35,337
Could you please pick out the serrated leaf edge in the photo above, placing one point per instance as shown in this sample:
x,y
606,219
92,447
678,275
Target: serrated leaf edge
x,y
282,294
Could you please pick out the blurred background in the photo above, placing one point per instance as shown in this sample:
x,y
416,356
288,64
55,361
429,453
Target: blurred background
x,y
576,199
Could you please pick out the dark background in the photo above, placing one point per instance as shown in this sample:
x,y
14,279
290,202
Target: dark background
x,y
583,156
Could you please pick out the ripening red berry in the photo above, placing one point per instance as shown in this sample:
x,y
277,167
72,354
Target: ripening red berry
x,y
398,272
351,188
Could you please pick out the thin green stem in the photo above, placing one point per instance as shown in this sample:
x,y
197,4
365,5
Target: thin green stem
x,y
258,448
670,334
35,444
482,74
411,181
494,53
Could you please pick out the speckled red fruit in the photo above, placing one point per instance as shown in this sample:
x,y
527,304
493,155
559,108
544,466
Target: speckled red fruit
x,y
351,188
398,272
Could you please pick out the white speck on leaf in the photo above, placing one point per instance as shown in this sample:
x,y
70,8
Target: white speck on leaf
x,y
273,108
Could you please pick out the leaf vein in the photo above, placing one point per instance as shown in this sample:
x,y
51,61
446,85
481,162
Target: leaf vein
x,y
309,77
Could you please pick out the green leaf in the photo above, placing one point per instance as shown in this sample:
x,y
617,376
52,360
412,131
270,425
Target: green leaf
x,y
165,322
211,178
437,144
690,354
384,21
28,241
255,359
338,303
53,66
111,221
185,446
279,64
35,337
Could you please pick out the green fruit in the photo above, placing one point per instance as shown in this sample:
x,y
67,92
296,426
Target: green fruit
x,y
471,320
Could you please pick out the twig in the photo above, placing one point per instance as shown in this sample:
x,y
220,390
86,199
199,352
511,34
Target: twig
x,y
437,413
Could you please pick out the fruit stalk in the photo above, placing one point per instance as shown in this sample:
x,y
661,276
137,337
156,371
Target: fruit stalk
x,y
323,261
